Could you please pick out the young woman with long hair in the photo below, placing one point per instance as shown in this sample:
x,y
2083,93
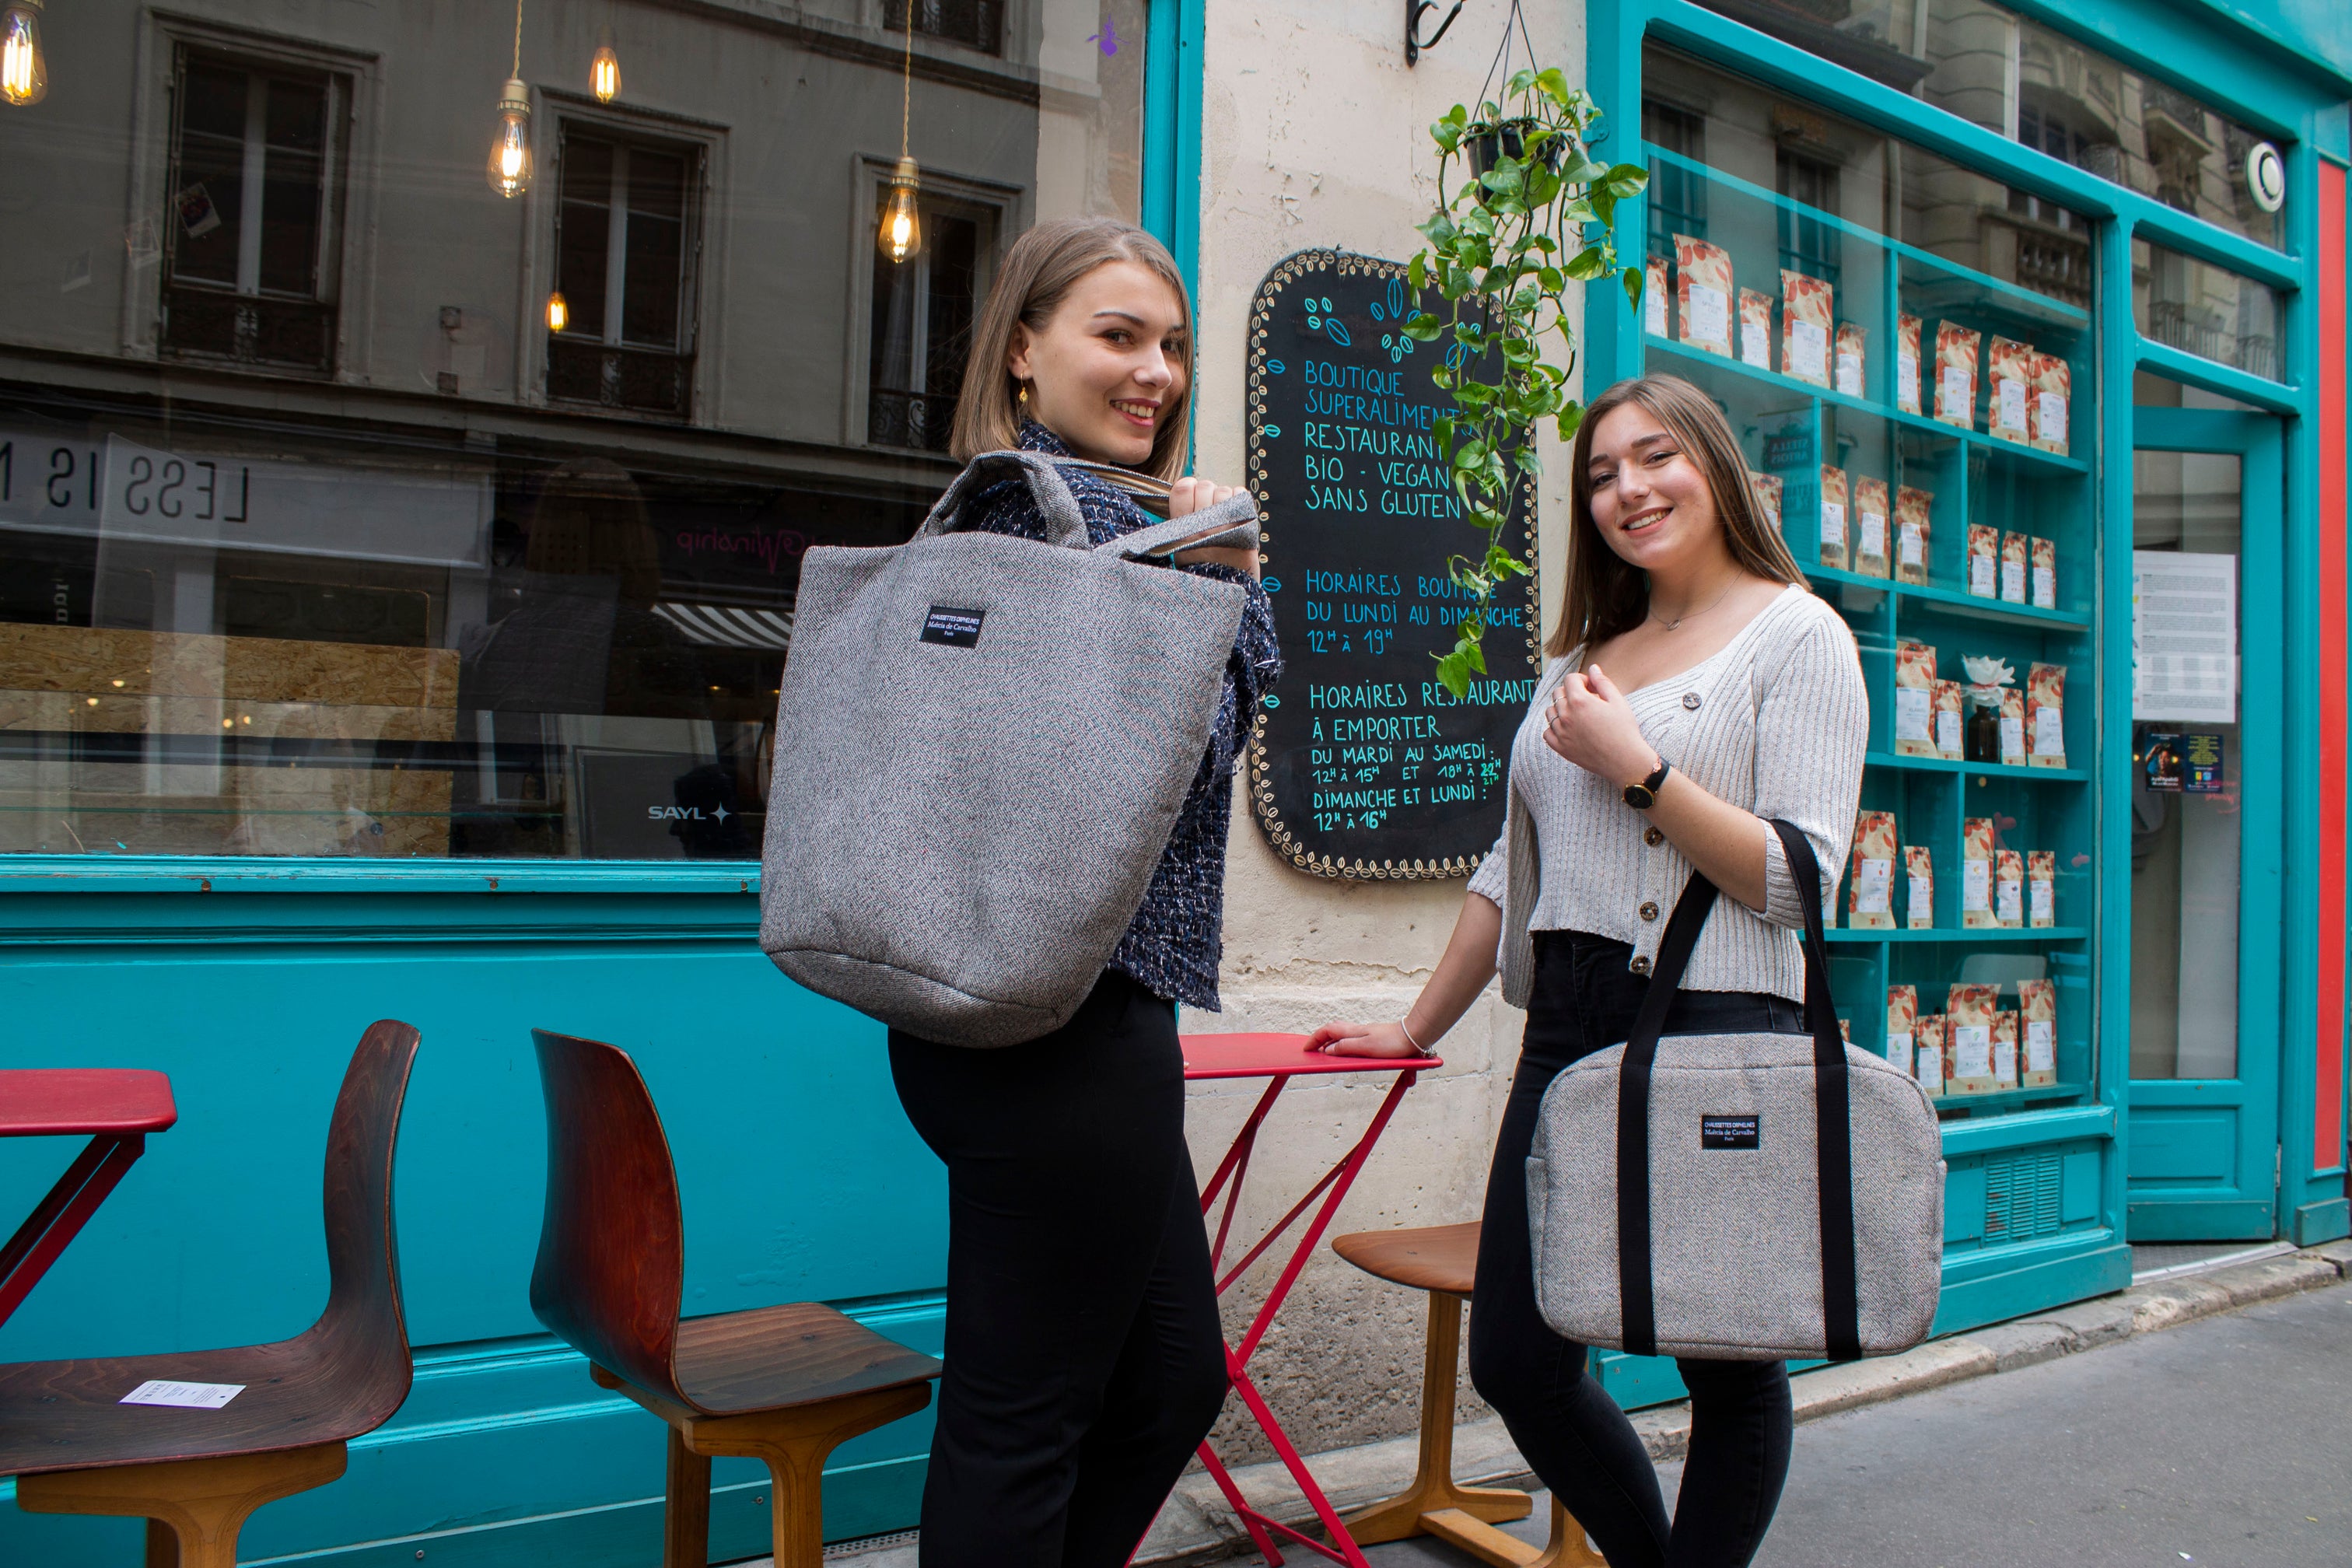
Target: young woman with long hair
x,y
1696,689
1083,1362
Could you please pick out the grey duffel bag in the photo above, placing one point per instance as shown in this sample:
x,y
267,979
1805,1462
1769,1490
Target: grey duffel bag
x,y
1738,1197
982,745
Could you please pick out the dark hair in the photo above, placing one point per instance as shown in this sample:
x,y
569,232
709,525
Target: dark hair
x,y
1607,594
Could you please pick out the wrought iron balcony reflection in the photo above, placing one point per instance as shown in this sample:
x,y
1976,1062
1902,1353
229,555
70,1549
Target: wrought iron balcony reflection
x,y
918,419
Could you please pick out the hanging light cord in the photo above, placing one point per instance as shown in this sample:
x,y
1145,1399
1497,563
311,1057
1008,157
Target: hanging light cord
x,y
906,81
518,59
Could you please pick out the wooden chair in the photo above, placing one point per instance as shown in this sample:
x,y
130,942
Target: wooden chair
x,y
781,1385
195,1476
1443,1259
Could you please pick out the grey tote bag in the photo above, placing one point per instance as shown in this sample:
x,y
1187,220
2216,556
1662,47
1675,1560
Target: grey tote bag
x,y
1738,1197
981,744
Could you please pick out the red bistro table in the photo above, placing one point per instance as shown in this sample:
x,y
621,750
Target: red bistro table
x,y
1280,1059
117,1108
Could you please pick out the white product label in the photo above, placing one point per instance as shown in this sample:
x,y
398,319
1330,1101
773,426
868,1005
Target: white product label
x,y
1755,345
1710,316
1930,1066
2004,1062
1899,1052
1923,900
1956,395
2041,1045
1874,884
2054,419
2012,739
2012,580
2049,732
1811,347
1912,707
1907,540
1874,534
1849,374
1948,734
1976,885
1907,381
2045,588
1971,1050
1653,313
2044,913
1980,575
2012,404
183,1396
1833,524
2012,911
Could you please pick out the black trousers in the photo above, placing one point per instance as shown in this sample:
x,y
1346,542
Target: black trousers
x,y
1084,1358
1572,1434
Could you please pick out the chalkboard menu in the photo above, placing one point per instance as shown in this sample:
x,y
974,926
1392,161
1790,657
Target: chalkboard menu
x,y
1362,764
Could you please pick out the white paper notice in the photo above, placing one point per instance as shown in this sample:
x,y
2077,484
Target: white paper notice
x,y
1923,898
183,1396
1849,374
1907,381
1956,395
1948,734
2054,419
1930,1066
1976,885
2012,404
1833,524
2004,1062
2012,909
1756,346
1812,347
2184,636
1653,313
2043,913
1874,884
1981,576
2012,741
1909,544
1971,1050
1899,1052
2049,732
1874,534
2045,588
1710,316
2012,580
1911,709
2041,1045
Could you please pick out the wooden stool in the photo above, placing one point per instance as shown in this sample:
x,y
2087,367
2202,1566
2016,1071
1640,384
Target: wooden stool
x,y
195,1475
1443,1259
784,1384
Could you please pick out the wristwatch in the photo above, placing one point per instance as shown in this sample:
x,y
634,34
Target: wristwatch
x,y
1644,795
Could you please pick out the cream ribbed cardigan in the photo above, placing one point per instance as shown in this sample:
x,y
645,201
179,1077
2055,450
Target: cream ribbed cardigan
x,y
1775,722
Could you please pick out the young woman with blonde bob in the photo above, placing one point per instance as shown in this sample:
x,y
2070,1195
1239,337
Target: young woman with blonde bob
x,y
1083,1360
1696,689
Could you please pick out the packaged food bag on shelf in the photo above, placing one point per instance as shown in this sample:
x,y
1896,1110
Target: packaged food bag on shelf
x,y
2046,573
1703,289
1906,364
1871,903
2045,715
1915,699
2009,889
1911,534
1956,374
1927,1037
1968,1038
1833,501
1849,341
1845,1028
2038,1045
2011,367
1805,304
1768,496
1919,867
1756,328
2012,728
2053,387
1984,561
1951,740
2040,887
1870,528
2015,552
1902,1017
2004,1048
1976,873
1653,297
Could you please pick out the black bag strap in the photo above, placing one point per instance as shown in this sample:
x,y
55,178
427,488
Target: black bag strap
x,y
1841,1302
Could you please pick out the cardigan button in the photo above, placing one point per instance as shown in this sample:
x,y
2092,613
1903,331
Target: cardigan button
x,y
1640,966
1690,701
1652,837
1649,911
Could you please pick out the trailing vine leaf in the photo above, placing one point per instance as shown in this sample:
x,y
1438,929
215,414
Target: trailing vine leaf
x,y
1504,246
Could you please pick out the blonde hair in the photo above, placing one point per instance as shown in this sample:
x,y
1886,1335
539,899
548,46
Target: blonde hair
x,y
1608,594
1036,277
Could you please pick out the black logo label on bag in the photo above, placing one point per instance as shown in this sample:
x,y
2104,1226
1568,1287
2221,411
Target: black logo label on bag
x,y
953,627
1730,1132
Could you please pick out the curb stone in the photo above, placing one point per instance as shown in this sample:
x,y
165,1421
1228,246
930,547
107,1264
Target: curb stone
x,y
1198,1527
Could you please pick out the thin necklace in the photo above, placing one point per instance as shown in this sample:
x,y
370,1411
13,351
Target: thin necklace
x,y
1688,614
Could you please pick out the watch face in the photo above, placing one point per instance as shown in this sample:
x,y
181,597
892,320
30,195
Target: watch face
x,y
1639,798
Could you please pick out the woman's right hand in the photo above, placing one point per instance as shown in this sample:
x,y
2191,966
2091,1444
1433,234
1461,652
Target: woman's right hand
x,y
1361,1040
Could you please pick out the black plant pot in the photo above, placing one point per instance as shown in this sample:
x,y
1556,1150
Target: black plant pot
x,y
1488,142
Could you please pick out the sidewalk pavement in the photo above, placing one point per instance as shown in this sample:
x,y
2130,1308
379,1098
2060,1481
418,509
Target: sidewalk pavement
x,y
1197,1526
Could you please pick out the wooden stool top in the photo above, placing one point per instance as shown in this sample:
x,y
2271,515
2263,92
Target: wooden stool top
x,y
1427,1257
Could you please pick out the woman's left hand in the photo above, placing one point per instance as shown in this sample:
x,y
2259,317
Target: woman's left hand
x,y
1188,495
1591,723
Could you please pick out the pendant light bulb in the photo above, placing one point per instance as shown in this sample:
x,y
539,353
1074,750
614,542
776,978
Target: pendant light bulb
x,y
604,70
24,69
558,314
510,145
902,221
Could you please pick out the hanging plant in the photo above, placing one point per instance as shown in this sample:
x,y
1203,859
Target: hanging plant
x,y
1530,219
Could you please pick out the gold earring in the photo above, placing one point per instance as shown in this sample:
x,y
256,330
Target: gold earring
x,y
1024,398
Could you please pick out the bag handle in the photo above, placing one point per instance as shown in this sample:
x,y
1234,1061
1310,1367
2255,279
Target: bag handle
x,y
1833,1107
1233,522
1066,525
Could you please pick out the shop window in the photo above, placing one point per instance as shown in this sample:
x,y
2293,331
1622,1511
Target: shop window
x,y
625,251
921,330
1677,197
977,23
2204,309
1809,242
253,213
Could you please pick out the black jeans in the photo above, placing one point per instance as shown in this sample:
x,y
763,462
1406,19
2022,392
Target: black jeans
x,y
1572,1434
1084,1358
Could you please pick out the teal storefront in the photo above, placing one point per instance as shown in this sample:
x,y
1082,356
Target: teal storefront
x,y
406,821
